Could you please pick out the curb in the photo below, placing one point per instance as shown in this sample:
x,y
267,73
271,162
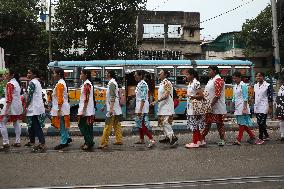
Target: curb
x,y
128,128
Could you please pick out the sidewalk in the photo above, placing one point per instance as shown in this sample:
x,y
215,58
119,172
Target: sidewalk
x,y
128,127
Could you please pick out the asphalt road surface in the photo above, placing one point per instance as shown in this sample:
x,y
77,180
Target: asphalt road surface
x,y
136,166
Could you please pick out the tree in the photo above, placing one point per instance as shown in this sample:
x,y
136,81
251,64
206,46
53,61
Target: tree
x,y
22,36
108,27
256,34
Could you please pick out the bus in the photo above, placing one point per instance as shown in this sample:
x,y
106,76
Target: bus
x,y
125,76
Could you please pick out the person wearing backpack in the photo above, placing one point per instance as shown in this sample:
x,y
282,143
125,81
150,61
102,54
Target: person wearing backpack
x,y
242,110
142,109
86,110
114,111
60,110
166,108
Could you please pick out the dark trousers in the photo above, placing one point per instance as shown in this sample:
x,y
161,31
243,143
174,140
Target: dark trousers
x,y
36,131
87,131
261,121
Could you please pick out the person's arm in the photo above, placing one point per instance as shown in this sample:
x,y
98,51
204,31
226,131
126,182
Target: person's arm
x,y
59,92
144,93
219,84
270,98
87,91
9,89
31,90
112,88
167,88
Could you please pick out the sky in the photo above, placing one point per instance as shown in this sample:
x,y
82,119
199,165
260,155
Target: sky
x,y
232,21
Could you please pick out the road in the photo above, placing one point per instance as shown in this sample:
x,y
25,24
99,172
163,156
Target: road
x,y
136,166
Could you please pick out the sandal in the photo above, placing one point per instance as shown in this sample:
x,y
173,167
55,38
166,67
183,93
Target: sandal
x,y
139,142
221,143
236,143
102,146
16,145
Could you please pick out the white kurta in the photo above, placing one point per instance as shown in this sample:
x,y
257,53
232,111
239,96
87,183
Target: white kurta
x,y
261,104
165,107
36,106
220,106
281,91
65,109
140,86
239,99
116,108
192,90
90,109
16,107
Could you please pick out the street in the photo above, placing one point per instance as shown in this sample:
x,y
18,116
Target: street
x,y
128,165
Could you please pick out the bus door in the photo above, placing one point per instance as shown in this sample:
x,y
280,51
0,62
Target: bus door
x,y
130,86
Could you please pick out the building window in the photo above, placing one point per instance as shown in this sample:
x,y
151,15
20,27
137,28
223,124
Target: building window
x,y
174,31
153,31
191,33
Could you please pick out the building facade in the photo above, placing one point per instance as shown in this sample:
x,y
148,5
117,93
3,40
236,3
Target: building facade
x,y
169,35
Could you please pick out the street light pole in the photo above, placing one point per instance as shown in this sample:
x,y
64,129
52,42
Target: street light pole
x,y
49,33
275,41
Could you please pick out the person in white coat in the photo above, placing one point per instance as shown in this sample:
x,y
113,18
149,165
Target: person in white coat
x,y
195,120
60,110
114,112
280,106
214,93
142,109
12,110
263,101
86,110
242,110
166,108
35,111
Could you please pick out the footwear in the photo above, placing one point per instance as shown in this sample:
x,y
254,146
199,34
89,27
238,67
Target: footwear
x,y
259,142
29,144
16,145
266,138
102,146
221,143
39,148
151,144
5,147
202,143
251,140
165,140
69,140
174,141
60,146
282,139
117,143
193,145
86,147
139,142
236,143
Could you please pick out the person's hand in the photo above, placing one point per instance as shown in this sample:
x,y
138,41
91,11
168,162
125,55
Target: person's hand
x,y
270,110
59,113
103,109
111,112
153,103
245,110
139,114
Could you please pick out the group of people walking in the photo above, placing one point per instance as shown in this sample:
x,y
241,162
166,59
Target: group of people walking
x,y
204,107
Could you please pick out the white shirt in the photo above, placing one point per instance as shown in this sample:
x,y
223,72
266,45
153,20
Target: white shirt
x,y
116,108
165,107
36,106
16,107
192,89
261,104
239,99
220,106
65,109
138,92
90,109
281,91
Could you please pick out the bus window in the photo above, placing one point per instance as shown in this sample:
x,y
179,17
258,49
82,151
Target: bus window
x,y
69,77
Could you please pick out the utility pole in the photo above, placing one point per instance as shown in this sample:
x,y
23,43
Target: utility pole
x,y
49,34
275,41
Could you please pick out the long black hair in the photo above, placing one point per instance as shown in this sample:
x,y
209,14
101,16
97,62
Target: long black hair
x,y
215,69
193,72
34,71
16,75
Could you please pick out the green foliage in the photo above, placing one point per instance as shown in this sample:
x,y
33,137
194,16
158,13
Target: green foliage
x,y
256,34
108,27
21,35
